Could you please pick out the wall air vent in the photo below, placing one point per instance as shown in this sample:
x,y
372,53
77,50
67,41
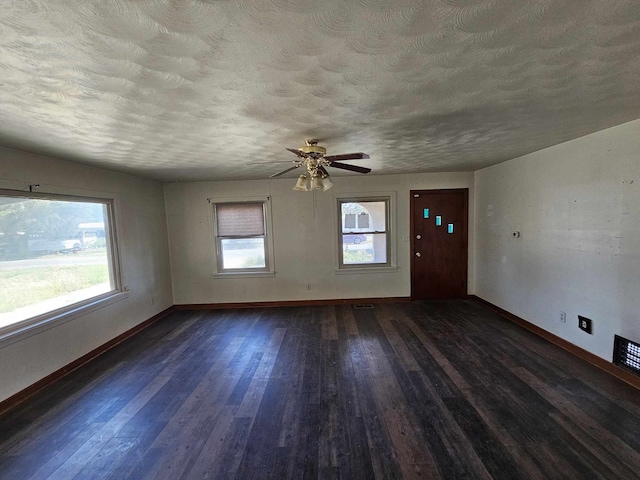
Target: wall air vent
x,y
626,354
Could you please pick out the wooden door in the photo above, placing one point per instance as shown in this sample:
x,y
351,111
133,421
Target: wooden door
x,y
439,243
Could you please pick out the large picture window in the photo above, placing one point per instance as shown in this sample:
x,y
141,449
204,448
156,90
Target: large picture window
x,y
241,234
364,232
56,253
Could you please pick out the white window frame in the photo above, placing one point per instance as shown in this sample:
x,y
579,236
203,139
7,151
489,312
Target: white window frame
x,y
268,270
391,264
30,326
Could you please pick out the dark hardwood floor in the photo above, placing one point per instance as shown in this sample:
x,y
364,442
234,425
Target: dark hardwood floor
x,y
410,390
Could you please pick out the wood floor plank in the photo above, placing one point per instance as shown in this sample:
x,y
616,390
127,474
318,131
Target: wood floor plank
x,y
202,398
201,413
329,323
485,405
385,464
255,391
410,390
587,426
348,320
386,316
389,382
79,459
226,431
447,441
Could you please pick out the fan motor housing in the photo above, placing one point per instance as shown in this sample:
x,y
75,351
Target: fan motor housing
x,y
313,150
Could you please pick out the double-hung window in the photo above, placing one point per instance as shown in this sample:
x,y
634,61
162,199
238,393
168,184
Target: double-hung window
x,y
364,227
57,255
242,237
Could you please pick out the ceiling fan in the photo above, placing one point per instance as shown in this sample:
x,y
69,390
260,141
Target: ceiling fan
x,y
313,158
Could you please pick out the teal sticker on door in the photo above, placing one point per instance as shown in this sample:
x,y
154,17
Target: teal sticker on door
x,y
426,213
450,228
438,220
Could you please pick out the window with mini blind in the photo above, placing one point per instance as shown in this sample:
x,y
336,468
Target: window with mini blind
x,y
242,238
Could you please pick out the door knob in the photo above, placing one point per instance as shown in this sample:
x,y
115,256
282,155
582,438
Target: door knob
x,y
418,237
418,254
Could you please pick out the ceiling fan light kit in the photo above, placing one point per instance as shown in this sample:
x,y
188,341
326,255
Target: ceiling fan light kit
x,y
301,184
314,159
316,182
326,182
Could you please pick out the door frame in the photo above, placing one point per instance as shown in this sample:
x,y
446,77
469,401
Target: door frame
x,y
465,192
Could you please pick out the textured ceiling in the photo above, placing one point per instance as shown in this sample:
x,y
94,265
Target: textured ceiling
x,y
194,90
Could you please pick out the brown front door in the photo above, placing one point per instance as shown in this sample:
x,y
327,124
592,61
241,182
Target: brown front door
x,y
439,244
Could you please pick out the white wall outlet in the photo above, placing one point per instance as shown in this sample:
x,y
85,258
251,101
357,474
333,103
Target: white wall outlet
x,y
308,286
515,234
563,317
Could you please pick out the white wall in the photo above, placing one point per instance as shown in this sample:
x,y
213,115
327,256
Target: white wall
x,y
578,208
304,239
142,240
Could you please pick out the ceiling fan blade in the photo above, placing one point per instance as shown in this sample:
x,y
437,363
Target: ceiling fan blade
x,y
267,162
353,168
284,171
347,156
296,151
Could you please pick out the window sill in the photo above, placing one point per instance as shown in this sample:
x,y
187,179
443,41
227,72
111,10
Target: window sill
x,y
32,326
244,275
358,270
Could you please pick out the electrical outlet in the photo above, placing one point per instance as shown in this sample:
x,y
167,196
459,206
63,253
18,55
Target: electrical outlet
x,y
563,317
585,324
308,286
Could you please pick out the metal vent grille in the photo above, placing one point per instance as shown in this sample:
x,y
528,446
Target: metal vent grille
x,y
626,354
361,306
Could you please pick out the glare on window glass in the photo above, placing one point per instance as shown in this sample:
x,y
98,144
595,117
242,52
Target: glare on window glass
x,y
243,253
53,254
